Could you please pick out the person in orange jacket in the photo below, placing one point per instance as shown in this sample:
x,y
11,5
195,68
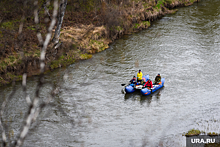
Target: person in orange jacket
x,y
148,84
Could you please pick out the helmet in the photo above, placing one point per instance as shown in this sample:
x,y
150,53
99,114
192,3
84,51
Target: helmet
x,y
158,73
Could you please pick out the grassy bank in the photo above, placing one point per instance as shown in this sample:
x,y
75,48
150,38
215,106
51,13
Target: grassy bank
x,y
87,28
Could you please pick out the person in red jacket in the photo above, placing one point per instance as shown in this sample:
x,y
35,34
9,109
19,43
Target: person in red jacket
x,y
148,84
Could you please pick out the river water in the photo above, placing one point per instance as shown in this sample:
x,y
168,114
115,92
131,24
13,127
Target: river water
x,y
183,48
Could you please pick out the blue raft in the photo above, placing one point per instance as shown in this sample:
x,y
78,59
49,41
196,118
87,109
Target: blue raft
x,y
130,88
146,91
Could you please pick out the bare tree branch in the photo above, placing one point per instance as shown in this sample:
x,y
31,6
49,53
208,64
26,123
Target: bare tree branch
x,y
37,104
2,125
45,8
36,20
34,110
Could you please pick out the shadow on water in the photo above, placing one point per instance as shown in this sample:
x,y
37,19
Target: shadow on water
x,y
137,96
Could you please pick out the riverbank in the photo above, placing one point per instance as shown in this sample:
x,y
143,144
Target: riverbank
x,y
83,34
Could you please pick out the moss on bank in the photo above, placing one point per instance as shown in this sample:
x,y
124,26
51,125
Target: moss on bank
x,y
192,132
67,60
196,132
212,134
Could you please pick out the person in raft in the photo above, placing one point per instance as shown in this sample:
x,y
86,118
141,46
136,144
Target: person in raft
x,y
157,79
139,76
148,84
133,81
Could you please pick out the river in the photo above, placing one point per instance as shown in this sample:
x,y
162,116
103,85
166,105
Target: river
x,y
183,48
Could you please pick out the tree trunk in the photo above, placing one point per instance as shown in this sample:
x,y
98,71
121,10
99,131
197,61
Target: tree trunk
x,y
60,21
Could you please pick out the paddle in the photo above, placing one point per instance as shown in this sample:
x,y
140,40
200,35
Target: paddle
x,y
125,84
123,89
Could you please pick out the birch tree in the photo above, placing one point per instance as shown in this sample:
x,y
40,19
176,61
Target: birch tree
x,y
35,106
62,9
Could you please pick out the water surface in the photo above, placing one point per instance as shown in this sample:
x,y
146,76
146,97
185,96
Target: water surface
x,y
183,48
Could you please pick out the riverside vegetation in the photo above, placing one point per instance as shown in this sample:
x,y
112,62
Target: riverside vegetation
x,y
89,26
196,132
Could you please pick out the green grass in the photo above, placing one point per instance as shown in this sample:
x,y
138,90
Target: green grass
x,y
10,25
136,25
159,3
31,28
85,56
146,23
35,53
7,25
12,60
98,45
66,60
193,132
16,59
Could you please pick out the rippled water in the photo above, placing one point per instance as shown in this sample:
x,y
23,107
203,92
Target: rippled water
x,y
183,48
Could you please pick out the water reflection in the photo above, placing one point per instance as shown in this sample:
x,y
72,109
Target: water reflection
x,y
137,96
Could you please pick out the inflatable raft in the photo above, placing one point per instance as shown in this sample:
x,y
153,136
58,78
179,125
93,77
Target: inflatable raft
x,y
133,87
146,91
